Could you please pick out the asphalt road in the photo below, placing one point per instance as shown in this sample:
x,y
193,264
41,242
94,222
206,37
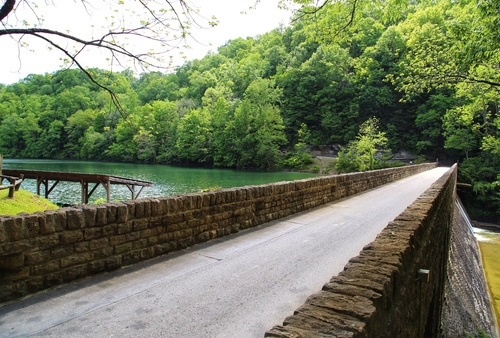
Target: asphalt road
x,y
239,286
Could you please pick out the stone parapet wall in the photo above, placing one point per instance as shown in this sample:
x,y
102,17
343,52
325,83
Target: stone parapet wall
x,y
43,250
379,294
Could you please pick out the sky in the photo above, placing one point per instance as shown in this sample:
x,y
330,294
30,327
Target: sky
x,y
64,15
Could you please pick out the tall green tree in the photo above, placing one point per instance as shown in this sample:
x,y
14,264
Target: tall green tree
x,y
258,126
361,154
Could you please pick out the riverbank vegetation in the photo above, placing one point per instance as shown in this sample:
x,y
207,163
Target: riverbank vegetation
x,y
427,72
489,243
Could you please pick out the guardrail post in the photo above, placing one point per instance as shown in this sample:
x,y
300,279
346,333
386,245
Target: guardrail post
x,y
11,189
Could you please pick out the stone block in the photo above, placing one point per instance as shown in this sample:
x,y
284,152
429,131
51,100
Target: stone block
x,y
46,225
290,331
61,252
124,228
53,279
109,230
139,244
166,237
123,248
74,218
163,206
152,240
3,236
139,210
89,215
35,258
76,259
185,243
60,219
80,247
121,213
93,233
103,253
101,215
13,228
114,262
47,241
140,224
319,320
12,261
75,272
46,268
172,205
355,306
111,211
98,244
148,233
96,266
161,249
147,253
34,284
155,207
68,237
116,240
133,236
131,257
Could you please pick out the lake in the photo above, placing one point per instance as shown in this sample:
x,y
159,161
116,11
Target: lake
x,y
167,180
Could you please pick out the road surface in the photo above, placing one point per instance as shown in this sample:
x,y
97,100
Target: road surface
x,y
238,286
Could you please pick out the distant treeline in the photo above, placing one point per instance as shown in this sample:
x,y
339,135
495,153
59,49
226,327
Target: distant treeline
x,y
254,102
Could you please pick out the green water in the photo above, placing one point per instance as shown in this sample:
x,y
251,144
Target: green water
x,y
168,180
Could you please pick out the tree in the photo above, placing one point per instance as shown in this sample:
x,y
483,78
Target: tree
x,y
258,126
361,154
52,141
194,143
11,142
76,126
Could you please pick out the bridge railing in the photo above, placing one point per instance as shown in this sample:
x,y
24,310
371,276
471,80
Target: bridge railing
x,y
42,250
395,286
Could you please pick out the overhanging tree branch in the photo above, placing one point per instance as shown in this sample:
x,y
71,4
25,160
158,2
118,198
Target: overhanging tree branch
x,y
114,97
121,39
7,7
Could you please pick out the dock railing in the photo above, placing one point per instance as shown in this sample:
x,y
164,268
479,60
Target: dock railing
x,y
14,182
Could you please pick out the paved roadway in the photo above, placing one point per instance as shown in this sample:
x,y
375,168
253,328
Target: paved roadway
x,y
239,286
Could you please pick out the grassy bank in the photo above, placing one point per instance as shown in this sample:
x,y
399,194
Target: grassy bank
x,y
491,265
23,201
489,243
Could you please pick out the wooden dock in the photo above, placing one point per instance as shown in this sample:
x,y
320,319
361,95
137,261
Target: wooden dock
x,y
45,177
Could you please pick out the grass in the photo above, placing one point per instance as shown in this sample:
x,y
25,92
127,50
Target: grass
x,y
491,263
23,201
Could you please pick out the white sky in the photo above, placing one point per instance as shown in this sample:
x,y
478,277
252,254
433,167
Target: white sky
x,y
16,63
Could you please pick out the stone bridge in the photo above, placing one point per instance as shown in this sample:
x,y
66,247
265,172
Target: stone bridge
x,y
404,284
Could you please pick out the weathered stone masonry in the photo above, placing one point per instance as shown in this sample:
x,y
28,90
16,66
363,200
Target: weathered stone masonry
x,y
42,250
378,294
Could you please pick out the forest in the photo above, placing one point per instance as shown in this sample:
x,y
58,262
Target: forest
x,y
427,76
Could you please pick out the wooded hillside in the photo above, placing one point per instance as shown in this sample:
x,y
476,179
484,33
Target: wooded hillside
x,y
429,71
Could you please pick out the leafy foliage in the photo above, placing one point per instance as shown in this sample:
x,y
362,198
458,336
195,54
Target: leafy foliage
x,y
366,151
